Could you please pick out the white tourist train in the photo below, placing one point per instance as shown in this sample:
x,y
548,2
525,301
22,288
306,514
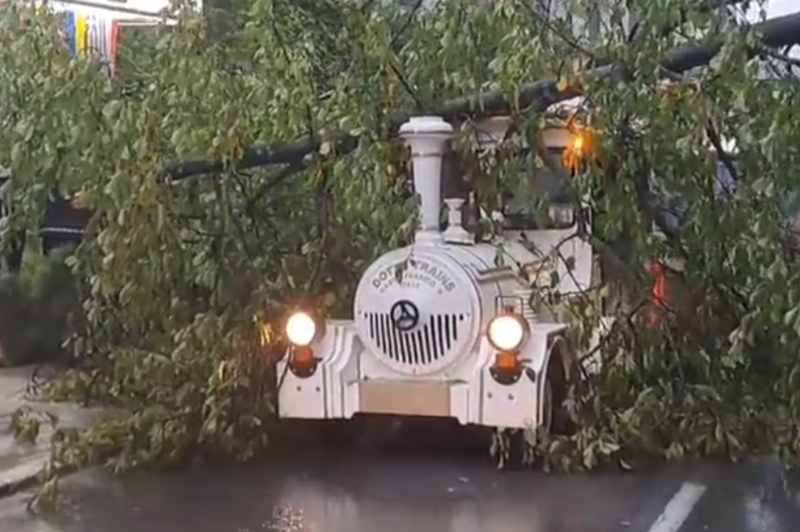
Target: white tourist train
x,y
443,327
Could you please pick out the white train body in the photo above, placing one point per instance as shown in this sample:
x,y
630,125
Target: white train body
x,y
418,344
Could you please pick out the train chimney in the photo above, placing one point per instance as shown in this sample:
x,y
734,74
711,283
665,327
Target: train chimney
x,y
427,137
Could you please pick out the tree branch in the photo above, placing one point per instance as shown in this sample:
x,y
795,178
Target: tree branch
x,y
777,32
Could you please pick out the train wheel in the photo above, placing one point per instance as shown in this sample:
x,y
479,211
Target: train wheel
x,y
560,378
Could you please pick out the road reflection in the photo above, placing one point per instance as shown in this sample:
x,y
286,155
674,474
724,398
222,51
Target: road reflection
x,y
407,494
360,494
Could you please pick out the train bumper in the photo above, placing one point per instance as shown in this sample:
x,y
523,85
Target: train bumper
x,y
339,386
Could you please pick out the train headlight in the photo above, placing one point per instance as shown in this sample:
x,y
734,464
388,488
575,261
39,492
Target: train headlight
x,y
507,332
301,329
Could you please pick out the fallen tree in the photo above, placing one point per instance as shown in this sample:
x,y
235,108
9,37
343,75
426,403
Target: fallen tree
x,y
186,283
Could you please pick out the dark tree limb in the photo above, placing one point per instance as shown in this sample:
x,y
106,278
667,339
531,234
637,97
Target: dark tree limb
x,y
774,33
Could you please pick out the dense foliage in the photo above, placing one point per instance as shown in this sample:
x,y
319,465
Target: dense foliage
x,y
185,281
45,293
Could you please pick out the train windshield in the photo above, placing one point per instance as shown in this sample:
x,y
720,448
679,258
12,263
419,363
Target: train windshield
x,y
541,199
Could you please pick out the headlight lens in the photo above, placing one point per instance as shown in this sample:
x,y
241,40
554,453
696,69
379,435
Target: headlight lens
x,y
300,329
507,332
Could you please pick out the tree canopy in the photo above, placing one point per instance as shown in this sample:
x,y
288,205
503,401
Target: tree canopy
x,y
194,254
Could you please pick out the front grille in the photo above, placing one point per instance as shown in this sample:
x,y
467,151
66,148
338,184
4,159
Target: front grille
x,y
425,345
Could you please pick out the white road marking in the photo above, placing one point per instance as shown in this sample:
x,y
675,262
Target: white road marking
x,y
678,508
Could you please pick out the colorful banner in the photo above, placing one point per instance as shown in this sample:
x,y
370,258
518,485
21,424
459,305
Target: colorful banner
x,y
69,31
101,40
94,37
80,35
113,46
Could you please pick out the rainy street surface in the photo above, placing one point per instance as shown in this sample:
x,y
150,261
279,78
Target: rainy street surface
x,y
418,494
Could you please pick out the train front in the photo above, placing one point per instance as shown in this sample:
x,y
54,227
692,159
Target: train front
x,y
439,329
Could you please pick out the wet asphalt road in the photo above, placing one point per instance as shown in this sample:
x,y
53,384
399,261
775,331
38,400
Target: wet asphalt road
x,y
417,494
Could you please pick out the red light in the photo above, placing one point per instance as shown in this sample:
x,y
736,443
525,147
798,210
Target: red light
x,y
659,290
